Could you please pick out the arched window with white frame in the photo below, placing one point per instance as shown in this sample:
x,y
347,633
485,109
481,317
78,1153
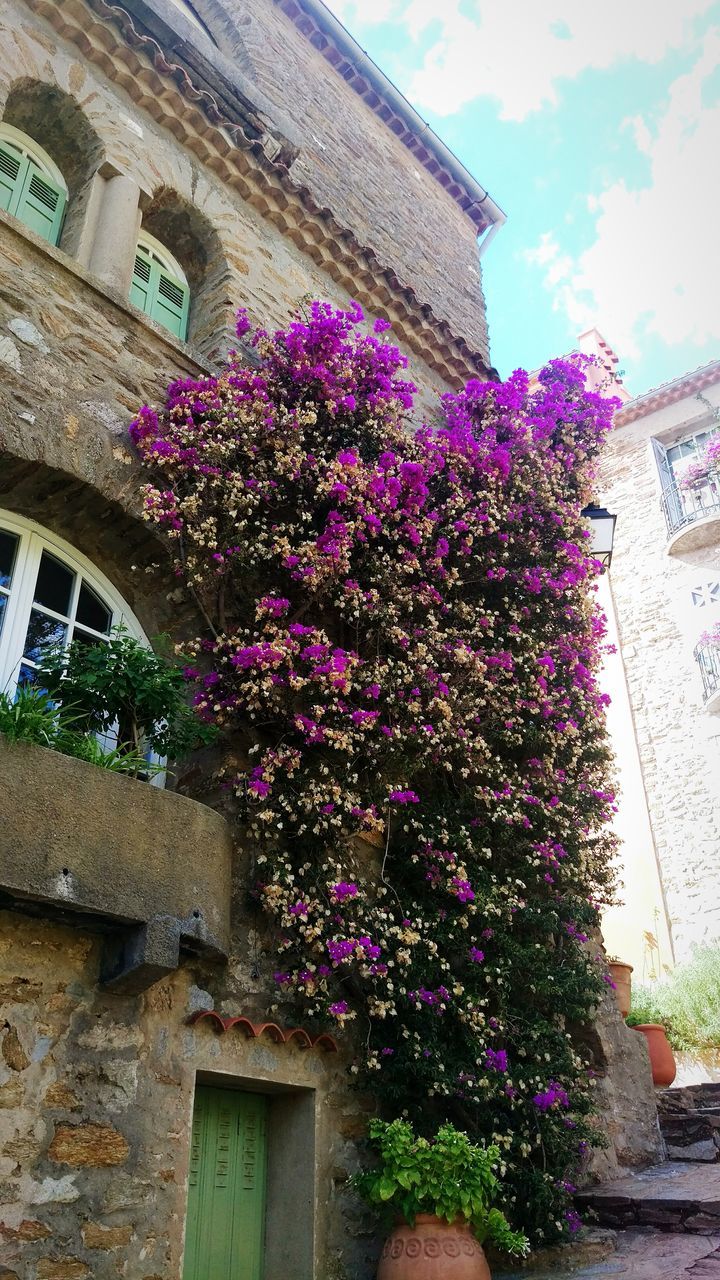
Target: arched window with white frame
x,y
50,595
159,285
31,185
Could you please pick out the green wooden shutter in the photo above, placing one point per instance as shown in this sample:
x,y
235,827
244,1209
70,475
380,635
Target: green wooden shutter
x,y
171,304
226,1193
13,168
159,294
140,289
41,204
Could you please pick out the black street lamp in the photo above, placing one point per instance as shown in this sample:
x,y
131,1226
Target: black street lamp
x,y
603,532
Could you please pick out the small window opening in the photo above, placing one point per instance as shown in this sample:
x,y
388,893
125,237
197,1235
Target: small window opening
x,y
159,285
32,188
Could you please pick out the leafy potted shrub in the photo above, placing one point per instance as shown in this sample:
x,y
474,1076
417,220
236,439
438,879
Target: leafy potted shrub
x,y
442,1194
686,1004
647,1016
123,689
705,469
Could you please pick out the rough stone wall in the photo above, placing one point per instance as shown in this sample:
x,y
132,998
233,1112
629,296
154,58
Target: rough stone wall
x,y
355,164
95,1090
95,1107
679,742
625,1097
248,262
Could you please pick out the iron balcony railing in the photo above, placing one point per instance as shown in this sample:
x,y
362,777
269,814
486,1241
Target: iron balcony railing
x,y
707,656
683,507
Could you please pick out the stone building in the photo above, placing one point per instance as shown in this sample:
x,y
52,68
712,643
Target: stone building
x,y
665,582
161,164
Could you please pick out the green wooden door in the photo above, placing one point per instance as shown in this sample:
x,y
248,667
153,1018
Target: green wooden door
x,y
226,1196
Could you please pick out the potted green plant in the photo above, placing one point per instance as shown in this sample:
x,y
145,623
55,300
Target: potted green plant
x,y
123,689
650,1016
441,1192
30,715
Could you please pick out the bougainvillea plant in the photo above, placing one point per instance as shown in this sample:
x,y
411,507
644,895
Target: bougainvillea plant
x,y
402,648
711,636
706,467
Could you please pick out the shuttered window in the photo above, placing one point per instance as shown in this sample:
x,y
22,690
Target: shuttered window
x,y
158,293
226,1193
30,194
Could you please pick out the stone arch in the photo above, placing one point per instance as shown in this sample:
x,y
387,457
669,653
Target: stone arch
x,y
191,238
54,119
97,525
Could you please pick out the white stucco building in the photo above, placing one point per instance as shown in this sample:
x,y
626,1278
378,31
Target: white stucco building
x,y
662,597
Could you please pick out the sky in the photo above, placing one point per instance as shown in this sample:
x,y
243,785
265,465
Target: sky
x,y
596,128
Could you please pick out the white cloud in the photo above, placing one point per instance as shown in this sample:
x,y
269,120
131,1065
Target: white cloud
x,y
654,264
518,51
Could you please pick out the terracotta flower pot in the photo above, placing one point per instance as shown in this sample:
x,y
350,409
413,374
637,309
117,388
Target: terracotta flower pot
x,y
433,1250
662,1059
620,974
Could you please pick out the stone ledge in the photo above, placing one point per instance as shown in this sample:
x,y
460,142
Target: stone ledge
x,y
86,845
196,364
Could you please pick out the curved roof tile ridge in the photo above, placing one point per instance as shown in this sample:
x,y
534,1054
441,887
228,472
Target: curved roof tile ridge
x,y
253,1030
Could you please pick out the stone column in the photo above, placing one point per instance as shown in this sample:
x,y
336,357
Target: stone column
x,y
116,231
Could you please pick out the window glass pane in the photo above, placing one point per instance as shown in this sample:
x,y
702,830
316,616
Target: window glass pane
x,y
8,547
26,675
54,584
42,633
82,637
3,604
91,611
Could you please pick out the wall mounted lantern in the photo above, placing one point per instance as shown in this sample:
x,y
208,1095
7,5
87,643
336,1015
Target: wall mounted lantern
x,y
603,532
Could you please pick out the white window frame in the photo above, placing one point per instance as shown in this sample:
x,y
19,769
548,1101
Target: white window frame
x,y
27,146
698,439
34,539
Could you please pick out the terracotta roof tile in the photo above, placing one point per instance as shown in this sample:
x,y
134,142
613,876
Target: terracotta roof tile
x,y
253,1030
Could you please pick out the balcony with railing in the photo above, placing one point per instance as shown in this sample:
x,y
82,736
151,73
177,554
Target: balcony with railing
x,y
692,508
692,515
707,656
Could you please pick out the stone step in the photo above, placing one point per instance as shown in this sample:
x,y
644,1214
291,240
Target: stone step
x,y
692,1137
677,1196
691,1097
690,1123
638,1254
